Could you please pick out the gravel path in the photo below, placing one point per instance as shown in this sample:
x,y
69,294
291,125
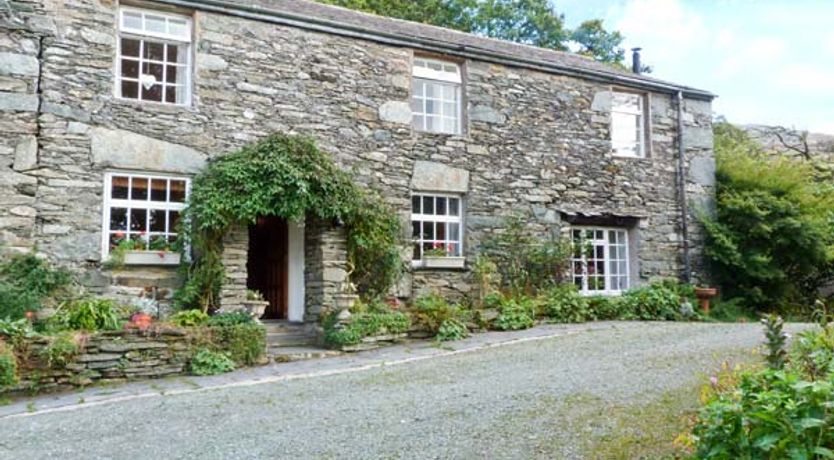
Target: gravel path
x,y
510,402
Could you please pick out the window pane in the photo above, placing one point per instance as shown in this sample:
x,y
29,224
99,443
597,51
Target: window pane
x,y
432,107
441,231
450,125
418,88
415,204
130,89
130,69
154,51
118,219
453,207
132,20
441,206
153,69
416,254
119,185
171,94
155,23
177,191
157,221
415,230
171,74
173,220
139,188
428,230
431,90
154,93
454,232
138,220
130,47
178,27
428,205
158,189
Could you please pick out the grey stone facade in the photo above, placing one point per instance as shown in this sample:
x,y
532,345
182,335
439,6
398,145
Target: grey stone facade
x,y
533,142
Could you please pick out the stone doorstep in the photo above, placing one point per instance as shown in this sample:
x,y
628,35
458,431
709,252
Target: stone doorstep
x,y
291,354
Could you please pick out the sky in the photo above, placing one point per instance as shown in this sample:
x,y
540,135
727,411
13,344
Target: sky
x,y
769,61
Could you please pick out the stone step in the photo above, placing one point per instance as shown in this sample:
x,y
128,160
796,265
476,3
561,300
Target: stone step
x,y
284,326
289,340
290,354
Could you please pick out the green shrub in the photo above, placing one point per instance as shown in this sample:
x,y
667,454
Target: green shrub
x,y
207,362
363,325
812,353
88,314
60,351
564,304
432,310
189,318
451,329
8,366
230,319
605,308
516,313
244,343
657,301
772,414
25,281
771,238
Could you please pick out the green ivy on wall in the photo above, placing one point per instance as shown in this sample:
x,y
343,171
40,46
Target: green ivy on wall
x,y
285,176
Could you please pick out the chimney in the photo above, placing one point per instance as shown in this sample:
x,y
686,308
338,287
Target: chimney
x,y
635,60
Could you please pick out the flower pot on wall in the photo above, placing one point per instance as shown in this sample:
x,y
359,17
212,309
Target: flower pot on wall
x,y
255,308
443,262
152,258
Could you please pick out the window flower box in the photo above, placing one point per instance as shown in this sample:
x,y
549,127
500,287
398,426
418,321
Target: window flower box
x,y
443,262
152,258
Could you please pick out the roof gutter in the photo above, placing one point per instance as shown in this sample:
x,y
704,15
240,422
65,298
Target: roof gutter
x,y
425,44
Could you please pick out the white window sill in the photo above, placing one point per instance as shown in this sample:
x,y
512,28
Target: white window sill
x,y
601,293
440,262
152,258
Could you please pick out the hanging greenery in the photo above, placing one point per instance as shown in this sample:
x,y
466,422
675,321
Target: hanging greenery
x,y
285,176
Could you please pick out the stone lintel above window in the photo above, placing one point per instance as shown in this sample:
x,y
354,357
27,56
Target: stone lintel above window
x,y
429,176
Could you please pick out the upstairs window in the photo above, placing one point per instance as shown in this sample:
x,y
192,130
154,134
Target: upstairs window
x,y
436,96
628,132
154,61
600,260
436,226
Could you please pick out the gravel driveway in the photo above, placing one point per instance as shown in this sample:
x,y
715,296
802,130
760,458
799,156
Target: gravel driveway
x,y
509,402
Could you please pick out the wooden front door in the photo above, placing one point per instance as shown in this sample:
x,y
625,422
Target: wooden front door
x,y
267,264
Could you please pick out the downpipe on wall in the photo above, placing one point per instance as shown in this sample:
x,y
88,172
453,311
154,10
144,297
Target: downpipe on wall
x,y
687,265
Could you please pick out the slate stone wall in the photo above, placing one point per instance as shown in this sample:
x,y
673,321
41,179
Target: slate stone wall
x,y
532,143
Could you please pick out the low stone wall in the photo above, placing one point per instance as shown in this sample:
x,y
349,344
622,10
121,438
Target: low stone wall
x,y
111,356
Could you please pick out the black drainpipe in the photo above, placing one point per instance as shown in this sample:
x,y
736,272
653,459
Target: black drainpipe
x,y
687,267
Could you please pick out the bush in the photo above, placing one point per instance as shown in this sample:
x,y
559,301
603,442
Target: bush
x,y
812,353
363,325
89,314
25,281
8,366
244,343
772,235
432,310
605,308
516,313
657,301
207,362
451,329
230,319
189,318
61,350
564,304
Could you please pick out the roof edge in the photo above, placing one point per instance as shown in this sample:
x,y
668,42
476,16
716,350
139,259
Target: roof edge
x,y
425,44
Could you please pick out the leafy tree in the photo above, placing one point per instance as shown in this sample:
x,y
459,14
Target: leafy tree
x,y
533,22
772,239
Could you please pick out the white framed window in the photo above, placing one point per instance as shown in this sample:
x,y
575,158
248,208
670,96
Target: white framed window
x,y
600,260
436,96
437,226
628,124
154,57
144,209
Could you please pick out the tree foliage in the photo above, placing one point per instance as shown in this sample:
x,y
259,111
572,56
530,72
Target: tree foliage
x,y
772,237
532,22
289,177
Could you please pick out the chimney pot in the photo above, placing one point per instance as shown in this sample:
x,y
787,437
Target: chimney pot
x,y
635,60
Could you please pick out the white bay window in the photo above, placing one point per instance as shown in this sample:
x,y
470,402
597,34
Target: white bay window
x,y
600,260
154,61
436,96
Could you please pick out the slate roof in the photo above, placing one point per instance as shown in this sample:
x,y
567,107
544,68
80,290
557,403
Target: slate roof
x,y
337,20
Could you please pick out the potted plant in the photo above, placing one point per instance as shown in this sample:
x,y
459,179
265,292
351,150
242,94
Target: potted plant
x,y
441,257
255,304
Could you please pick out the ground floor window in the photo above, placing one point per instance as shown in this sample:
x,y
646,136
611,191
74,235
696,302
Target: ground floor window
x,y
600,260
436,226
144,209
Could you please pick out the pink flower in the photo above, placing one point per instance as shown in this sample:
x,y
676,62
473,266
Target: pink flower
x,y
713,381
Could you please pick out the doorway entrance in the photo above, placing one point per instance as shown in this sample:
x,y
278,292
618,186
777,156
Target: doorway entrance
x,y
267,264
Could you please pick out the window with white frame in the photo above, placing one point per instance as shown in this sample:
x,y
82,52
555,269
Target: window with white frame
x,y
144,209
600,260
436,226
628,132
154,61
436,96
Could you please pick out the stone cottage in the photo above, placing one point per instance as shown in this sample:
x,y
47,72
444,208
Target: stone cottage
x,y
108,108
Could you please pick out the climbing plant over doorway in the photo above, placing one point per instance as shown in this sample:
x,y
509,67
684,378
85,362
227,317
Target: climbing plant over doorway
x,y
289,177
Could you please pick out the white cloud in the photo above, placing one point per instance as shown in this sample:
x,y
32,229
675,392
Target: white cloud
x,y
803,78
766,48
662,27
